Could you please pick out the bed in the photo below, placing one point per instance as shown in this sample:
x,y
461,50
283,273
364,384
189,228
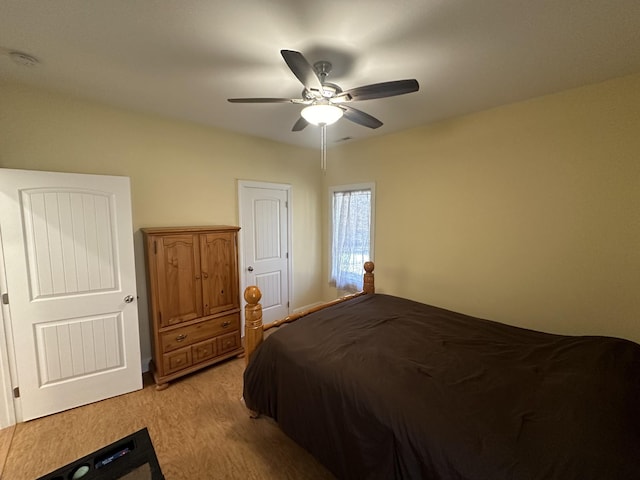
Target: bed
x,y
381,387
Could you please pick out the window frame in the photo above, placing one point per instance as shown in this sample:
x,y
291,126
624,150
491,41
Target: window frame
x,y
351,187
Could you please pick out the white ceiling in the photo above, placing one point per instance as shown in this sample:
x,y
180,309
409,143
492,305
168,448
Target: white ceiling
x,y
184,58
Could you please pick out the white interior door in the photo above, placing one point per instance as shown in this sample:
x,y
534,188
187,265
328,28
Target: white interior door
x,y
69,264
265,227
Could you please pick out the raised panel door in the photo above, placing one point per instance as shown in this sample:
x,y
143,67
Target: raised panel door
x,y
179,278
265,246
219,272
69,263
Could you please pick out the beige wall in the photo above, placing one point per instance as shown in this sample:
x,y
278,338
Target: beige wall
x,y
527,214
181,174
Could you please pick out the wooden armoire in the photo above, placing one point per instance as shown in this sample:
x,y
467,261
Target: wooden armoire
x,y
194,298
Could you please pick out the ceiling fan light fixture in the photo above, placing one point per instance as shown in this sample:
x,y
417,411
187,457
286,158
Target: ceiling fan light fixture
x,y
321,114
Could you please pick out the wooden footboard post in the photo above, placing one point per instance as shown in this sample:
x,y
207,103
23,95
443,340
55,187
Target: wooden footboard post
x,y
368,282
253,332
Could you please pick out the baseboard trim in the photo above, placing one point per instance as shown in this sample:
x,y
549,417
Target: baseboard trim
x,y
307,307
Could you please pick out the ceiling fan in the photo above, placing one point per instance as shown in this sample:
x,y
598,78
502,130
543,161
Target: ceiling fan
x,y
326,102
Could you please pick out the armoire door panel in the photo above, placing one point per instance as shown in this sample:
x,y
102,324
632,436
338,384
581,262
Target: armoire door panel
x,y
219,272
179,279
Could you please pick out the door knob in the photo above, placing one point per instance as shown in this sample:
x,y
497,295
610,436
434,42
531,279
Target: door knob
x,y
128,299
250,269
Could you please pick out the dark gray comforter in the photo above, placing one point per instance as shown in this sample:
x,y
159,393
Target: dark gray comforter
x,y
385,388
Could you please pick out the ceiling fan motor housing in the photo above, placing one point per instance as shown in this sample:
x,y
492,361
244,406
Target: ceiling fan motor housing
x,y
329,90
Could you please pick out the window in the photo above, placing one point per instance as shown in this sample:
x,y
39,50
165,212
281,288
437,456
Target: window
x,y
352,220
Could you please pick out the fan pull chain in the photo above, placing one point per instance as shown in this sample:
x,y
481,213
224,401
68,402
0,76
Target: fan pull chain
x,y
323,147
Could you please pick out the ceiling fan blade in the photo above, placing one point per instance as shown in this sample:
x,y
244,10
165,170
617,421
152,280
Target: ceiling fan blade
x,y
299,125
263,100
378,90
360,117
302,69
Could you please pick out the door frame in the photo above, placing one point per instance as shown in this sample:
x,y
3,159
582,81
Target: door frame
x,y
242,185
8,405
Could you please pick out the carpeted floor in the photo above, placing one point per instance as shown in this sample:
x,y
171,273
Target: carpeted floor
x,y
198,426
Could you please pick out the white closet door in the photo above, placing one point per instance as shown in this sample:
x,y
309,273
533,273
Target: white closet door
x,y
265,245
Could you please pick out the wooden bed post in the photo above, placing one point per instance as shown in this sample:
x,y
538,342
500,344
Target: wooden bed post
x,y
253,331
368,284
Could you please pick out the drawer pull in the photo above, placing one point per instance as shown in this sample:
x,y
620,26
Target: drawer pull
x,y
180,337
225,324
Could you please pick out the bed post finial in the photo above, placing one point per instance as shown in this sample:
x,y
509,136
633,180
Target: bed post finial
x,y
253,332
369,284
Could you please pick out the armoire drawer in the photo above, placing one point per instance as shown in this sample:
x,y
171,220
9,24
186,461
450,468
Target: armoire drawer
x,y
191,355
228,342
204,351
174,361
181,337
